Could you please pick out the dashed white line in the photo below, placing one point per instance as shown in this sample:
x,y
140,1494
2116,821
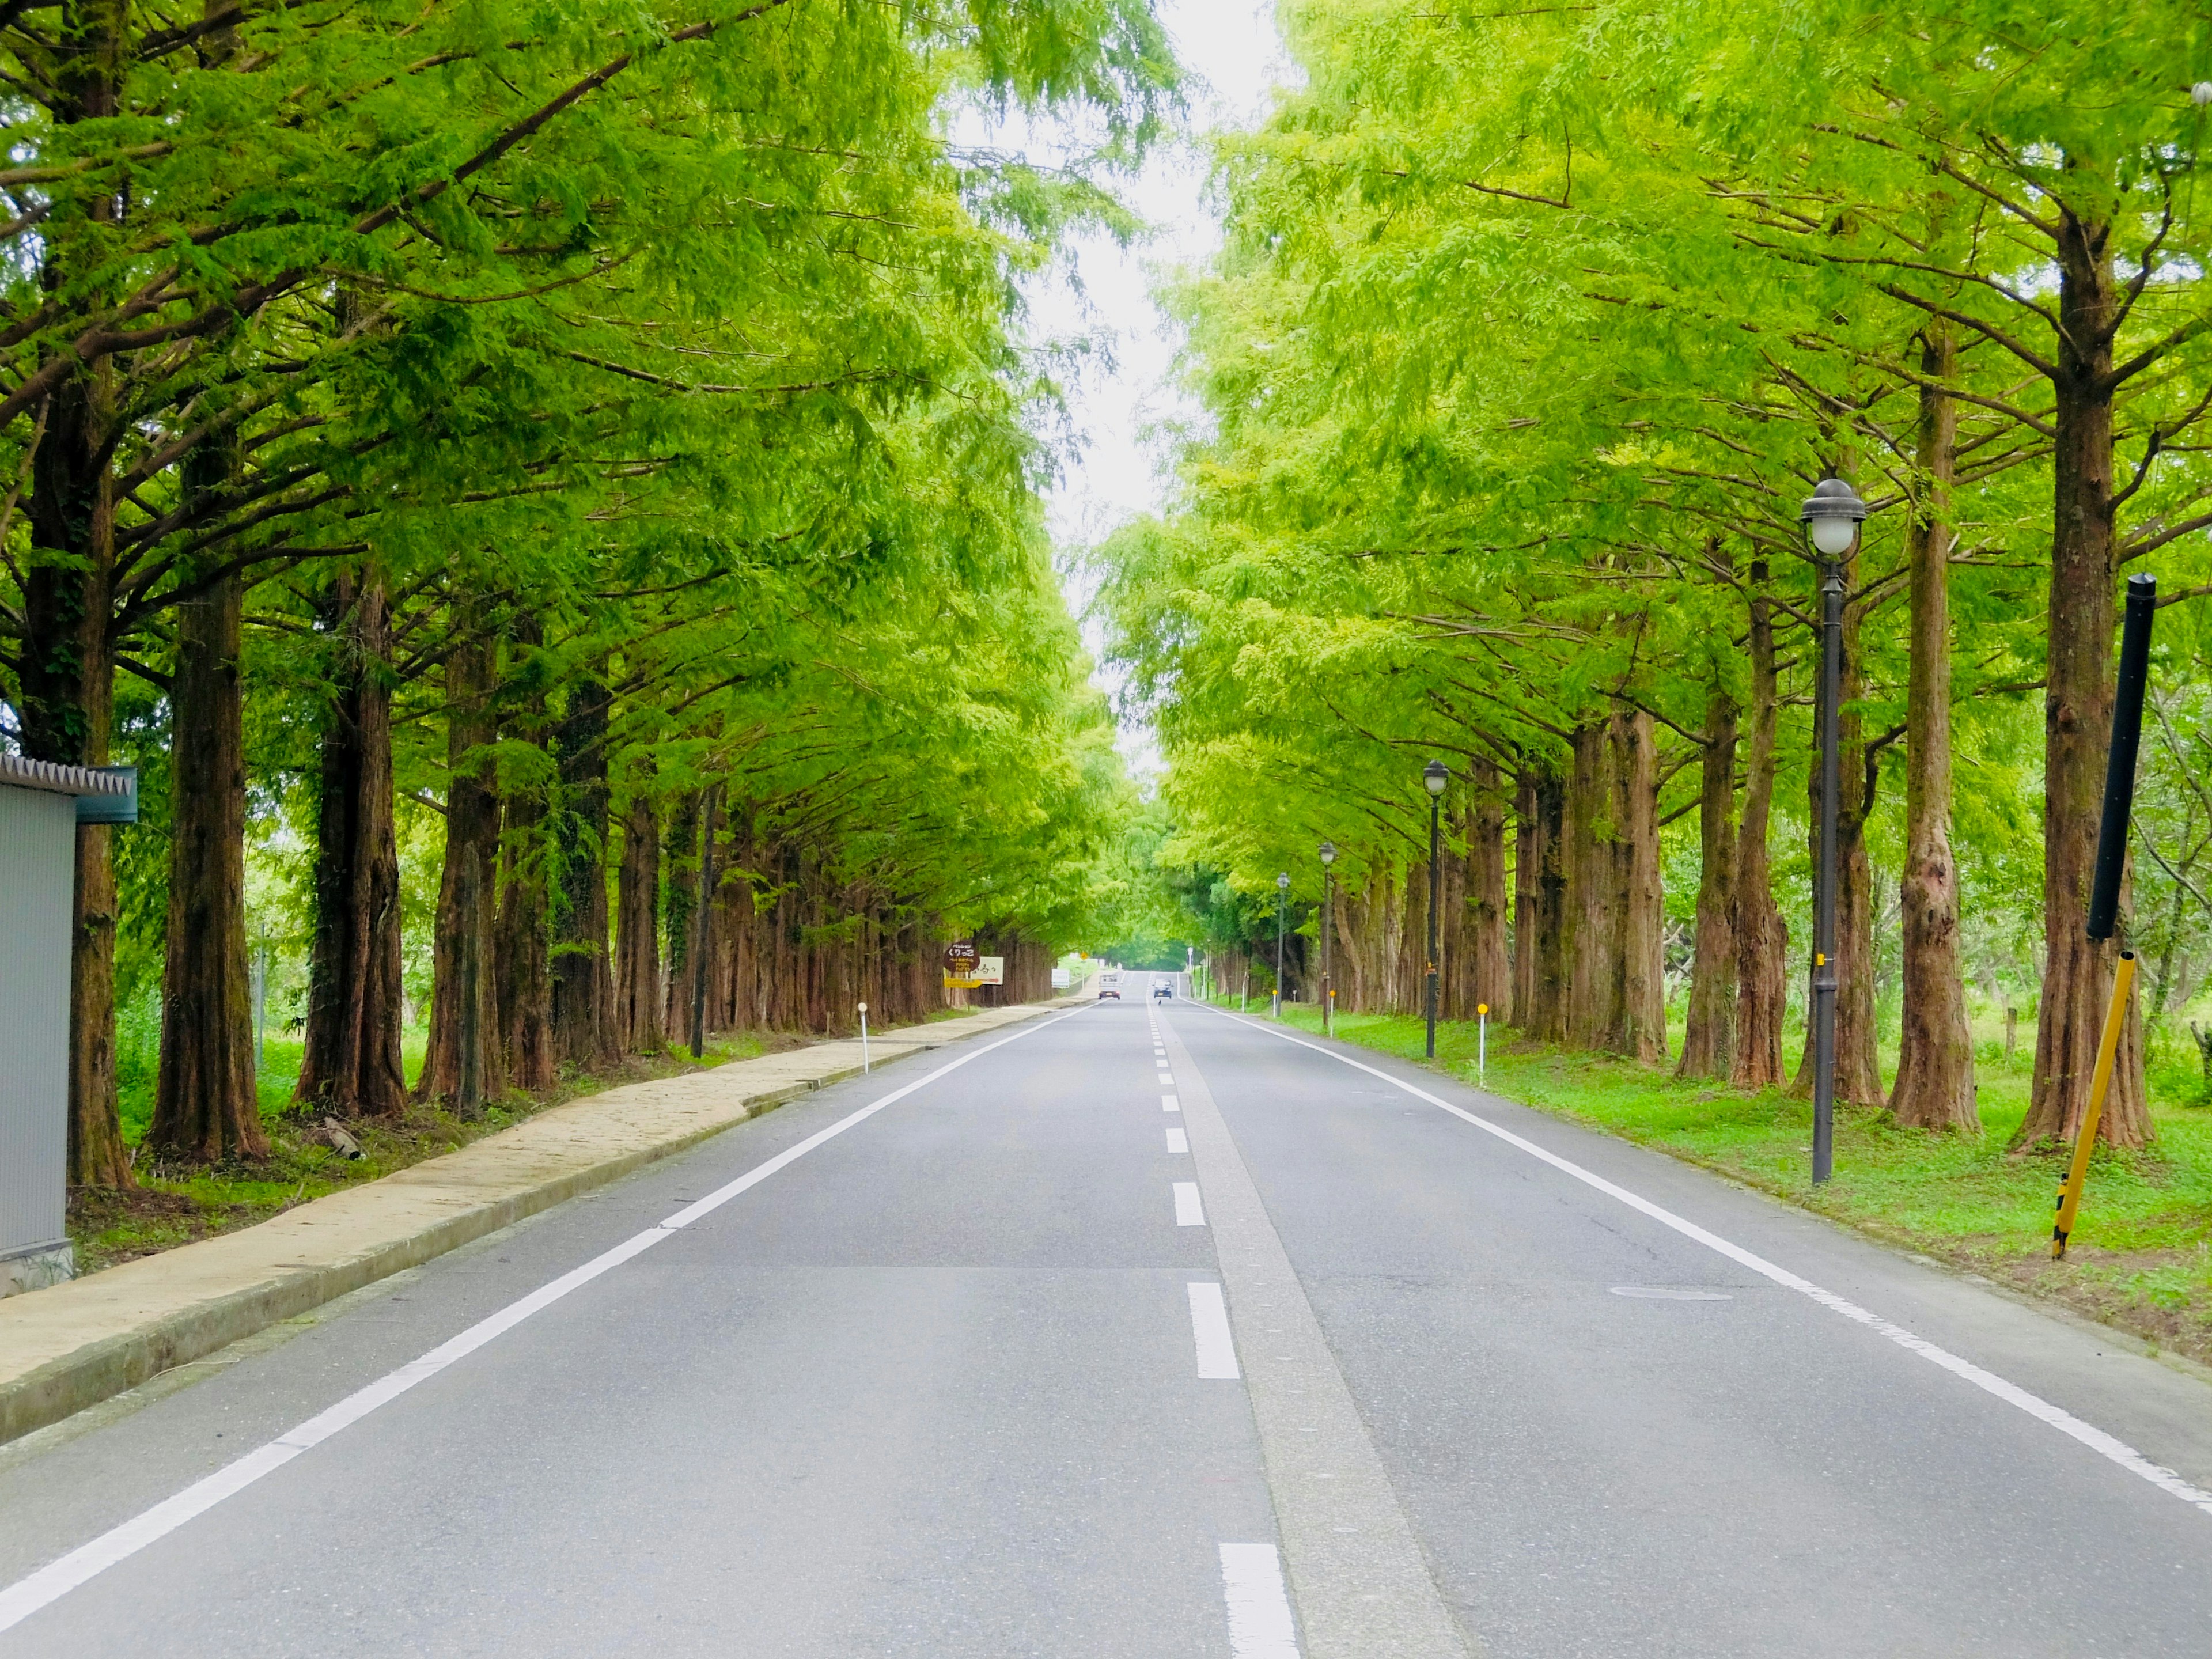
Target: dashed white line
x,y
1169,1104
1178,1142
1189,1211
1209,1330
1260,1624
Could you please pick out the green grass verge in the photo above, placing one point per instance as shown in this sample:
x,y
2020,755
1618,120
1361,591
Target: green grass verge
x,y
2141,1256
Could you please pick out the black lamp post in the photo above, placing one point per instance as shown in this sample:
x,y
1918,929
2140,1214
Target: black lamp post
x,y
1282,899
1327,927
1831,516
1434,776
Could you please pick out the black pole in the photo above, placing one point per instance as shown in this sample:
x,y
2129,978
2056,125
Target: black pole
x,y
2120,765
1824,892
1327,927
1281,892
702,934
1436,876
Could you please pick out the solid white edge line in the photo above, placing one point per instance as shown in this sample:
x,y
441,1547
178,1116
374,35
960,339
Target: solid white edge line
x,y
49,1584
1209,1332
2107,1446
1260,1624
1189,1211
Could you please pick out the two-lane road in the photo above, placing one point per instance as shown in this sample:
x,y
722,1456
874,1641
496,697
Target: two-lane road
x,y
1143,1330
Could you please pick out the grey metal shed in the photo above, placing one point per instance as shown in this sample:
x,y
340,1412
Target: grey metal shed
x,y
40,806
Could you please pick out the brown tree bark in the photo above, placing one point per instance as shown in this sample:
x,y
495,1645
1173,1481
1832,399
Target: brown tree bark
x,y
583,983
1486,977
1935,1085
206,1106
1544,1015
1593,900
1761,939
2077,975
1639,1022
67,671
1709,1029
466,1063
67,683
637,931
351,1065
523,976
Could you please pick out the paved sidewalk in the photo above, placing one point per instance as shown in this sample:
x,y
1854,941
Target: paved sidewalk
x,y
74,1345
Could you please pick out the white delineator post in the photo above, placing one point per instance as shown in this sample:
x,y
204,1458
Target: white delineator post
x,y
1481,1040
864,1037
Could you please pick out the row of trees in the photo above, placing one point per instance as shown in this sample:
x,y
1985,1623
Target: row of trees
x,y
599,425
1533,329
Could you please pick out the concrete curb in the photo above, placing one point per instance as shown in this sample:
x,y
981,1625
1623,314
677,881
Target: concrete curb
x,y
76,1344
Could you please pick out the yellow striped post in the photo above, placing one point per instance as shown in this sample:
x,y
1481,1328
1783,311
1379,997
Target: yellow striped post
x,y
2069,1191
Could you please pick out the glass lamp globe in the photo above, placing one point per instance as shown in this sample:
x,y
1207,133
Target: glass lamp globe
x,y
1832,515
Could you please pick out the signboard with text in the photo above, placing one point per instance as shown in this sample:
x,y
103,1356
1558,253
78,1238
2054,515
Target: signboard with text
x,y
984,970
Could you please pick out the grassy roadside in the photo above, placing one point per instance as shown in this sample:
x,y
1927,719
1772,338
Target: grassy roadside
x,y
2141,1257
170,1207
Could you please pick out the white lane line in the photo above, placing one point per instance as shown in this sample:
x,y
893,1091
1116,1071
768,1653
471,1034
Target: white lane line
x,y
1209,1330
1259,1611
1189,1212
1178,1142
19,1599
2107,1446
1169,1104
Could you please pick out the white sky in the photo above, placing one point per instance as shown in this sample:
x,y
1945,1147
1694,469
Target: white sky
x,y
1232,50
1110,472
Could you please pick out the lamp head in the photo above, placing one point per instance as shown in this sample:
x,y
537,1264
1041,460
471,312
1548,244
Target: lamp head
x,y
1283,881
1329,852
1435,776
1832,515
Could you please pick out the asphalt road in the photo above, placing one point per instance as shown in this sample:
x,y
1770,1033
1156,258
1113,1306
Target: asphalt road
x,y
1087,1348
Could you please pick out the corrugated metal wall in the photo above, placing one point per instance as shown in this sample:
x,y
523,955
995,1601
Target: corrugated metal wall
x,y
38,868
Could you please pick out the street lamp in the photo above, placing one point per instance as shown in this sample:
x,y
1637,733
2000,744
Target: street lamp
x,y
1282,899
1434,775
1831,516
1327,927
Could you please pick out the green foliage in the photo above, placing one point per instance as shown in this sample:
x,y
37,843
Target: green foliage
x,y
1530,332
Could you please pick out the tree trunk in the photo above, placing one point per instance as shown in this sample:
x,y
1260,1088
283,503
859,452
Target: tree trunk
x,y
637,930
68,686
523,977
1593,905
1487,980
206,1107
465,1064
1761,939
1935,1056
67,676
1639,1022
1543,1015
2077,976
583,986
351,1065
1709,1031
